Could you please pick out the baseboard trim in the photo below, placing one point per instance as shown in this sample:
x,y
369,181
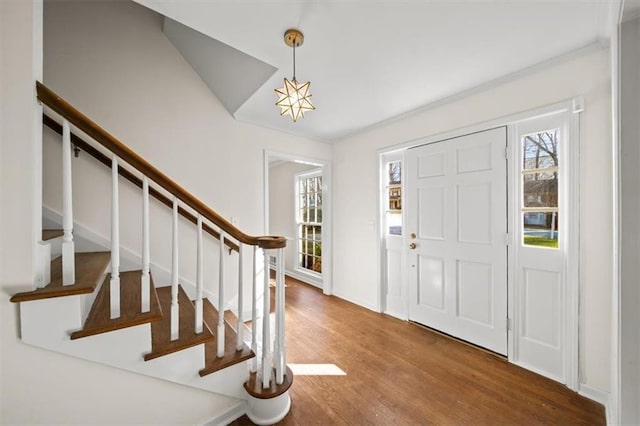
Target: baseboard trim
x,y
598,396
304,278
234,412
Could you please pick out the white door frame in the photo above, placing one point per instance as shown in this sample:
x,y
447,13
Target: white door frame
x,y
327,219
571,108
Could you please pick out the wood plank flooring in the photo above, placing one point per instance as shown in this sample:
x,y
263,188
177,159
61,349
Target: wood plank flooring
x,y
400,374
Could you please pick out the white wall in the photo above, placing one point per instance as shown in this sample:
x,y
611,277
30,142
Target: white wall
x,y
356,177
629,216
112,61
282,202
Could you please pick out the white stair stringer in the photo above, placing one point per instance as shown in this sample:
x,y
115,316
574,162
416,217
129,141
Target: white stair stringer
x,y
48,323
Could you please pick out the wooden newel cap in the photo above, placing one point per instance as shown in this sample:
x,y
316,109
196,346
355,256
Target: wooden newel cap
x,y
272,242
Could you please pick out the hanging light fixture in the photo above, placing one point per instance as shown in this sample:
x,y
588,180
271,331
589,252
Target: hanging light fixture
x,y
293,97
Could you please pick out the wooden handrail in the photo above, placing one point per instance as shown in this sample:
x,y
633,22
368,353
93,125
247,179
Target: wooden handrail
x,y
97,133
86,147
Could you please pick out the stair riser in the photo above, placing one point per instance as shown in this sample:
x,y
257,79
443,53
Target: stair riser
x,y
88,299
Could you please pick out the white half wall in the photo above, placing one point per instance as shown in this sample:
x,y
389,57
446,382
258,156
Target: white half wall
x,y
356,179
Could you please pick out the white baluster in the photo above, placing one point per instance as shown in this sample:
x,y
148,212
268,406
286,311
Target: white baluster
x,y
254,291
114,283
239,342
276,329
175,319
68,248
145,281
199,280
280,297
266,341
220,330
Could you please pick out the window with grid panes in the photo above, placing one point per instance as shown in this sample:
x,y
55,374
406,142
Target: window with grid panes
x,y
394,198
309,221
540,188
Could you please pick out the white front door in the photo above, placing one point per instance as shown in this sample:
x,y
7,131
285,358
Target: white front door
x,y
456,213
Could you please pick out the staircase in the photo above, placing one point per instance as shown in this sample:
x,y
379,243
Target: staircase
x,y
85,305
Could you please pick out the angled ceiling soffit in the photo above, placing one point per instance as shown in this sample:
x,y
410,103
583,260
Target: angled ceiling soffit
x,y
232,75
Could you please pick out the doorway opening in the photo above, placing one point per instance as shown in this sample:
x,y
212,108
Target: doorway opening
x,y
297,202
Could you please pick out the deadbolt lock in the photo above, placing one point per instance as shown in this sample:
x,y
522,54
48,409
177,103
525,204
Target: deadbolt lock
x,y
412,235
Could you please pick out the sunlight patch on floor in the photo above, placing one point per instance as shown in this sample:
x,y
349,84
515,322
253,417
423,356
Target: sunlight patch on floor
x,y
316,370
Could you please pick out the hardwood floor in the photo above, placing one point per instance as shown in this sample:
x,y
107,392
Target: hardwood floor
x,y
398,373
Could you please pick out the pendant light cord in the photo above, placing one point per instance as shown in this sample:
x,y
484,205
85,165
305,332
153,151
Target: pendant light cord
x,y
294,60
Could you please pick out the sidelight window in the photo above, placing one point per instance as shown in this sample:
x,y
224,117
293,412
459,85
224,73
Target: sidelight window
x,y
394,198
540,188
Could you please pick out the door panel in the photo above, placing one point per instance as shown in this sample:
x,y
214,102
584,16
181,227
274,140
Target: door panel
x,y
456,206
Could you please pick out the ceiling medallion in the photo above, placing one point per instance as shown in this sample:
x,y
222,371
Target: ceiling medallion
x,y
293,97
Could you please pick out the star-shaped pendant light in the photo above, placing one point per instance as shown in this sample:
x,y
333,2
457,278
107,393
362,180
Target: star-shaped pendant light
x,y
293,97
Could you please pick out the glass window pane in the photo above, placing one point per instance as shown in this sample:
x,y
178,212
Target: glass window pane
x,y
540,150
395,176
395,198
540,229
540,190
319,219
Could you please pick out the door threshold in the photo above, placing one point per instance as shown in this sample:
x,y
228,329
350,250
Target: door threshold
x,y
459,340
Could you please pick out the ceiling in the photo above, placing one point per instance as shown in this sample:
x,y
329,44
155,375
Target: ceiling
x,y
373,60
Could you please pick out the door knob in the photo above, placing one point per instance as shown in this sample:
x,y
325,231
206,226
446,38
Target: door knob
x,y
412,246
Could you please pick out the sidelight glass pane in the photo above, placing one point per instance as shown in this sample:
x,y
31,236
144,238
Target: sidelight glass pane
x,y
540,229
540,150
394,198
540,170
540,190
395,174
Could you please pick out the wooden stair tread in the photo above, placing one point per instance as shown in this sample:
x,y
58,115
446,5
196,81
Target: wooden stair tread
x,y
161,343
231,355
50,234
90,268
99,321
254,385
